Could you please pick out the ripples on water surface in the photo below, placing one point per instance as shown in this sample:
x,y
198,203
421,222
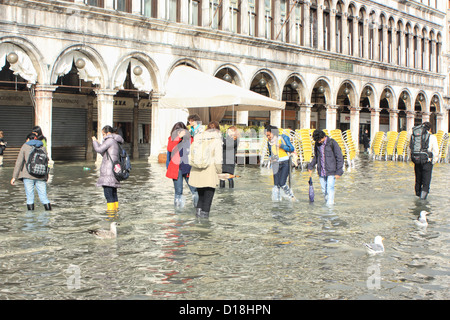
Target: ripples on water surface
x,y
250,248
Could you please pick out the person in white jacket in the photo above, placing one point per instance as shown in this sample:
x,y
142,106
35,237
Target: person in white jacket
x,y
423,171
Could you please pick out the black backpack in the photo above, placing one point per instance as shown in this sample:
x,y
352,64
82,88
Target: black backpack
x,y
419,145
37,163
121,167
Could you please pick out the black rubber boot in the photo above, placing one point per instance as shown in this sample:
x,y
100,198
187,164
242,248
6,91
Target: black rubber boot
x,y
231,183
222,183
198,211
48,206
204,214
30,207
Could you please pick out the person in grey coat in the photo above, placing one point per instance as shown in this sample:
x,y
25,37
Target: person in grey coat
x,y
107,179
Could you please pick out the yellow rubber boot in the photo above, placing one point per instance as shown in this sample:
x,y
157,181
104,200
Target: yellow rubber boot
x,y
111,207
116,205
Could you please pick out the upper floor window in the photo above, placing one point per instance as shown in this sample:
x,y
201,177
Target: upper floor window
x,y
194,10
122,5
95,3
235,15
268,19
171,10
149,8
252,17
215,14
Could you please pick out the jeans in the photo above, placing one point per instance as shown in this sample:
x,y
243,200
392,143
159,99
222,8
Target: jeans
x,y
110,194
280,172
178,185
327,184
41,188
423,177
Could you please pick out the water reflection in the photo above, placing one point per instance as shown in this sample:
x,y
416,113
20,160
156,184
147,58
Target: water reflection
x,y
249,248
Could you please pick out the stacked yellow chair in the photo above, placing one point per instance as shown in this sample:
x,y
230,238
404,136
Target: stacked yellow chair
x,y
337,135
443,148
402,145
348,139
391,144
377,144
306,146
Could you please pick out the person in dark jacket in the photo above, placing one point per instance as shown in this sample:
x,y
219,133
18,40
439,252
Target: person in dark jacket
x,y
107,179
230,145
2,148
330,163
178,168
366,140
31,182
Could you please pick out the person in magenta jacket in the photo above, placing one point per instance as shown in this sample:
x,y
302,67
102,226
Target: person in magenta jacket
x,y
177,163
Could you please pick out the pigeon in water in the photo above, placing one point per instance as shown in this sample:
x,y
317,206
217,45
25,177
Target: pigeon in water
x,y
422,220
106,234
376,247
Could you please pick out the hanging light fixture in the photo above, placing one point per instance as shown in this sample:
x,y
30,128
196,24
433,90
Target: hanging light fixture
x,y
137,70
436,99
227,77
346,90
420,98
387,95
12,58
321,89
262,82
368,92
404,96
80,63
294,85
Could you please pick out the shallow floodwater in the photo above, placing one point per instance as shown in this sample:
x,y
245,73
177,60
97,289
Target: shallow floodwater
x,y
249,248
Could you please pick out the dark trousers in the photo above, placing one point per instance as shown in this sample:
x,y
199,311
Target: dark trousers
x,y
423,177
110,194
280,172
205,198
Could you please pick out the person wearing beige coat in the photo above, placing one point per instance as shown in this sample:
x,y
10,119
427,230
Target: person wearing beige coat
x,y
206,179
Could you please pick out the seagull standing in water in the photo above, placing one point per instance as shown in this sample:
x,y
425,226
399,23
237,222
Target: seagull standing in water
x,y
376,247
422,220
106,234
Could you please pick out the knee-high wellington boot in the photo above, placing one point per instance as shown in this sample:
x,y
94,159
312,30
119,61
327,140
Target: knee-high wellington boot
x,y
48,206
423,195
30,207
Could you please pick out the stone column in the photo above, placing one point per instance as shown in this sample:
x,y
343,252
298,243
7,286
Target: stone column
x,y
440,122
43,95
403,36
394,47
426,116
226,15
244,18
109,4
393,120
242,117
206,22
306,24
331,117
305,116
376,43
411,50
261,19
136,6
105,105
275,118
433,56
332,44
276,15
410,115
355,36
419,53
366,43
385,44
184,11
344,33
374,121
426,58
320,28
354,124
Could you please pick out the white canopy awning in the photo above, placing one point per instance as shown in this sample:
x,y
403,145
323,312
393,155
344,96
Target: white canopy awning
x,y
190,88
